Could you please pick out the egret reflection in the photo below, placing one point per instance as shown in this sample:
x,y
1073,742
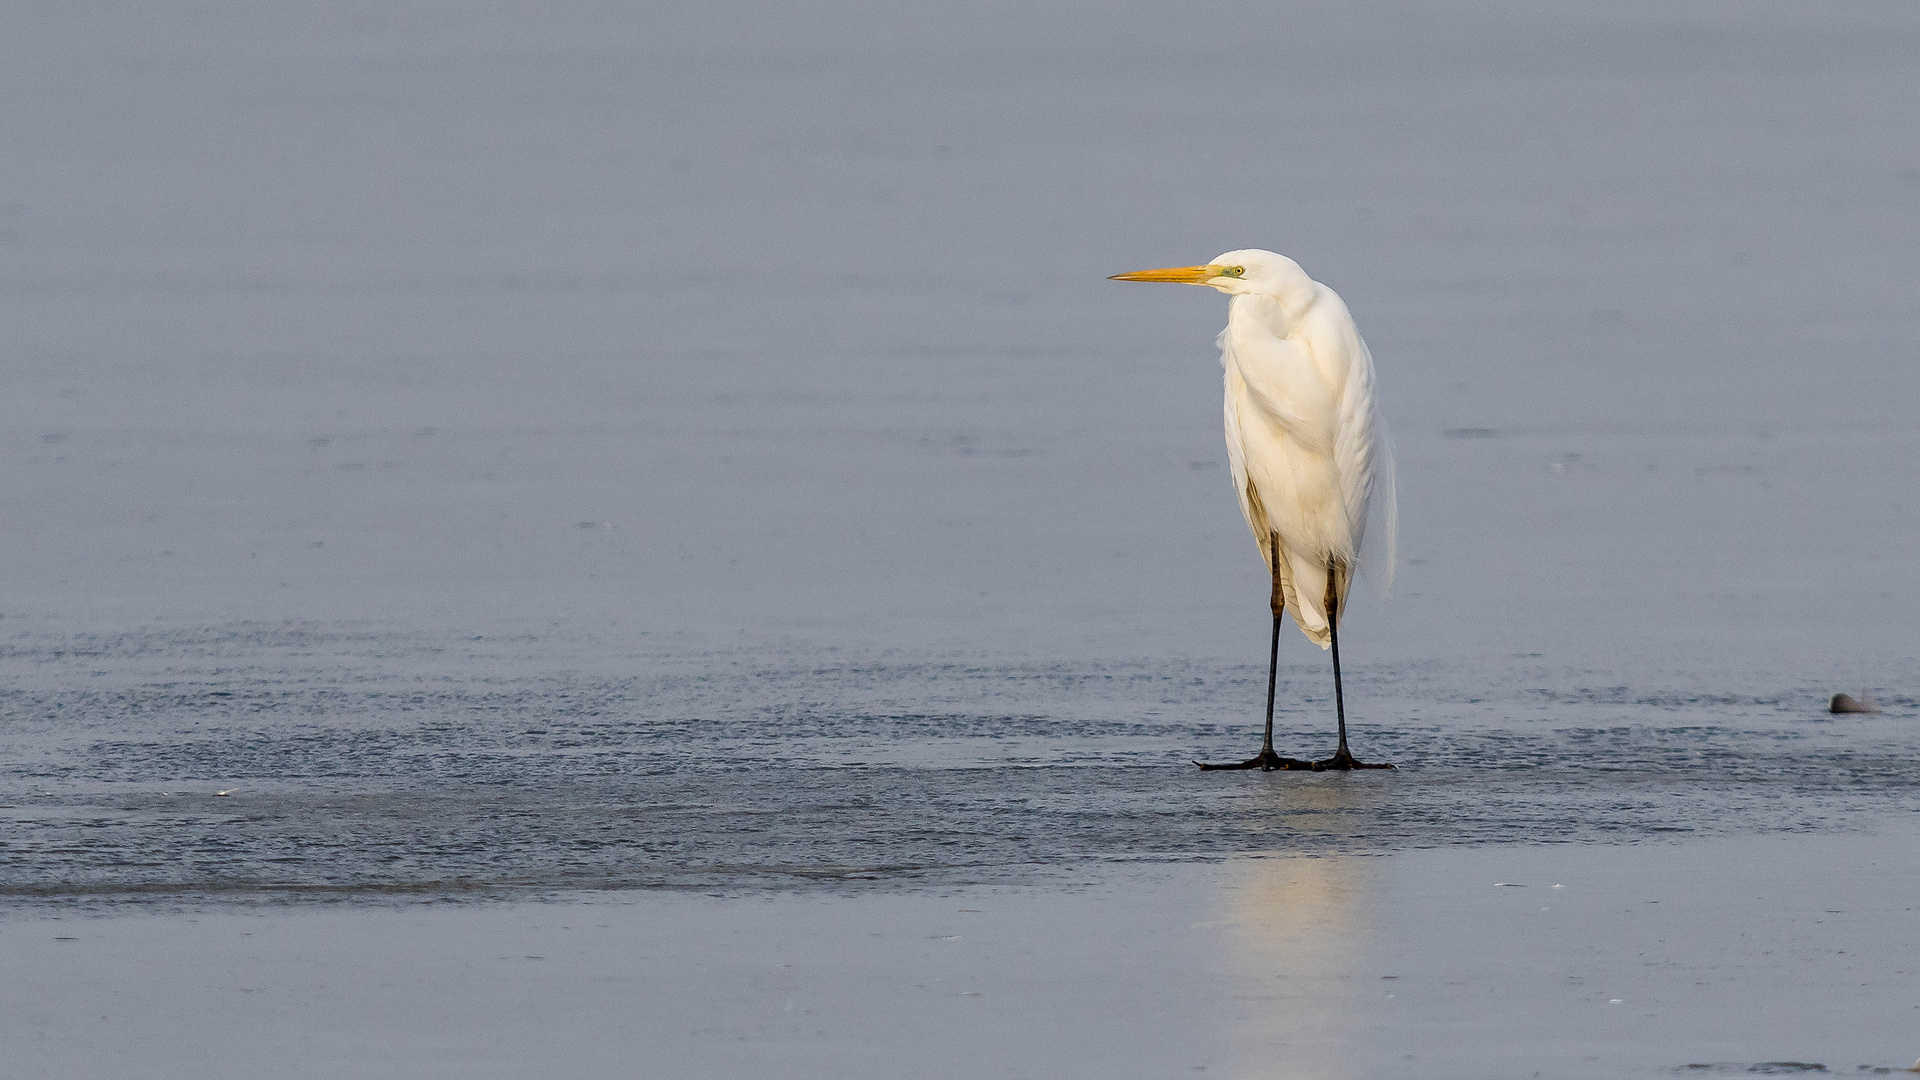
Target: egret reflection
x,y
1297,928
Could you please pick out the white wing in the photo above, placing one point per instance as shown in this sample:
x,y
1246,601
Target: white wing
x,y
1252,506
1281,412
1362,454
1306,445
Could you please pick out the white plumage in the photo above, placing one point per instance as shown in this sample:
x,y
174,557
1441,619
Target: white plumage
x,y
1309,453
1302,432
1303,436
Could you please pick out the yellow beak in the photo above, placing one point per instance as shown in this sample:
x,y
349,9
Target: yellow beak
x,y
1184,275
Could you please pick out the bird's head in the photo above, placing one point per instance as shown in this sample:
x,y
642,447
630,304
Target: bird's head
x,y
1249,270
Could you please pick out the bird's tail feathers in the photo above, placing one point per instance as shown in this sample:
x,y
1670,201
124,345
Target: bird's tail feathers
x,y
1383,525
1306,590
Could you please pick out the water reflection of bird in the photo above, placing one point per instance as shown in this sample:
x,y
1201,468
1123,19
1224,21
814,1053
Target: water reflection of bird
x,y
1307,451
1309,917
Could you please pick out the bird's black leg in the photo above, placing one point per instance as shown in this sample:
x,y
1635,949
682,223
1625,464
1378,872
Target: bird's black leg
x,y
1268,760
1342,758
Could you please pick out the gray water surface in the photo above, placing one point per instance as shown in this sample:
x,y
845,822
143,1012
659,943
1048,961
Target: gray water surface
x,y
259,774
519,449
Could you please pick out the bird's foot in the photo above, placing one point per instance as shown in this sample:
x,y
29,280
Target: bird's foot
x,y
1268,761
1343,760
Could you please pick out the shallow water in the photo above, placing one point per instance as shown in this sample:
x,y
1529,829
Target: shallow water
x,y
248,768
514,451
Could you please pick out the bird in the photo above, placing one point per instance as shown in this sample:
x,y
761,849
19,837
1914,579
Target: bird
x,y
1309,454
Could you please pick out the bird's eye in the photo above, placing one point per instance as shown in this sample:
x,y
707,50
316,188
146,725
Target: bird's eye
x,y
1236,271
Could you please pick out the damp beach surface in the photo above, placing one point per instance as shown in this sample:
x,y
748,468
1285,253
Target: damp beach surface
x,y
637,543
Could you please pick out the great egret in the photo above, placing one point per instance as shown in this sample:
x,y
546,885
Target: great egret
x,y
1303,438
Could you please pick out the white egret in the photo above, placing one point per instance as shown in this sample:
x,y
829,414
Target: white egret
x,y
1307,450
